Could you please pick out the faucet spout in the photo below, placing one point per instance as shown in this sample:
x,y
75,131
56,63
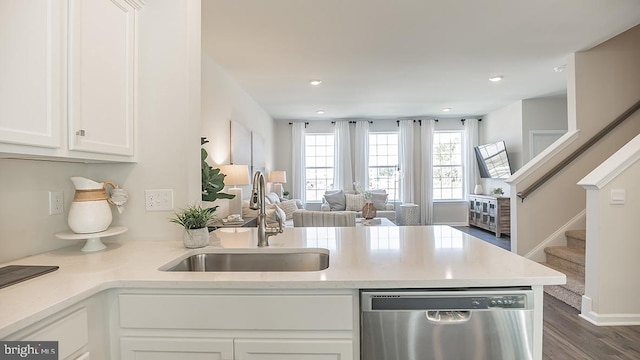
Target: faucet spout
x,y
257,202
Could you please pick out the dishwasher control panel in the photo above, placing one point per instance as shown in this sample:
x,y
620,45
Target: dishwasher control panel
x,y
408,301
508,301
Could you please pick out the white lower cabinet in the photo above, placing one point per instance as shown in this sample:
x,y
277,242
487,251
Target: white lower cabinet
x,y
133,348
175,348
247,325
289,349
70,330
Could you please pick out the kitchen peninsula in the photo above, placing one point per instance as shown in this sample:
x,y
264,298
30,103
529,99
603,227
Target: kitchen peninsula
x,y
126,306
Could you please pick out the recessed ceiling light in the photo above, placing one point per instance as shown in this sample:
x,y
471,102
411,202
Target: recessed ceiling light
x,y
320,112
496,78
560,68
446,109
315,82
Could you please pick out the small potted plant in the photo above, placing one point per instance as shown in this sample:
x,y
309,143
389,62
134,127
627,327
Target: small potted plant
x,y
497,192
194,219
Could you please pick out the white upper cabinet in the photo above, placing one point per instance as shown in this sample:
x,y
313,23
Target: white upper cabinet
x,y
31,72
102,41
67,73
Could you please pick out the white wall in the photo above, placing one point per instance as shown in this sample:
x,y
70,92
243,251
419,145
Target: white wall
x,y
503,124
605,82
167,144
545,114
612,251
222,101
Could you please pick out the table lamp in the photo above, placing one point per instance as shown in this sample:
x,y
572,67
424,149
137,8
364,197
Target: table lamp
x,y
236,175
278,177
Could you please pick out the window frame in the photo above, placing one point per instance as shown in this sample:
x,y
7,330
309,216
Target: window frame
x,y
393,193
330,155
461,165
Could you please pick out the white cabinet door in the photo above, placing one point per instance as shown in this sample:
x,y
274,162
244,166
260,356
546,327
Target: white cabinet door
x,y
102,44
71,332
31,72
290,349
133,348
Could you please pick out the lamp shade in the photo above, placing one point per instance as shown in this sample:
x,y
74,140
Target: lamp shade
x,y
278,176
236,174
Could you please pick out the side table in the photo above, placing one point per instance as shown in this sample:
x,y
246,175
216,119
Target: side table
x,y
409,214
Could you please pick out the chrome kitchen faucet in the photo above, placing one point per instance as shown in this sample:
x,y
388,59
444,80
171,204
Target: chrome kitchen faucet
x,y
257,202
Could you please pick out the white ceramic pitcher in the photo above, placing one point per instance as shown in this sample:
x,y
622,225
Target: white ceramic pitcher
x,y
90,211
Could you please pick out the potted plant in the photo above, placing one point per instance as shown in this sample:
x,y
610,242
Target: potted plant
x,y
194,219
212,179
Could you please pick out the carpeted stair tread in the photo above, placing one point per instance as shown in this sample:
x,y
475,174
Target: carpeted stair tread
x,y
575,281
567,253
567,296
577,234
576,238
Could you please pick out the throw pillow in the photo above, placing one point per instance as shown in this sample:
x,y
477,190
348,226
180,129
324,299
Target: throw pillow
x,y
288,207
355,202
271,215
336,200
272,198
379,200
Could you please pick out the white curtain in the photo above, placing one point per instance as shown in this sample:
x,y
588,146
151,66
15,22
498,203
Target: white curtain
x,y
361,160
298,182
342,177
426,186
406,158
469,158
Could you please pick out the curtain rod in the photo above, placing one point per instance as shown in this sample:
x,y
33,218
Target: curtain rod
x,y
353,122
305,124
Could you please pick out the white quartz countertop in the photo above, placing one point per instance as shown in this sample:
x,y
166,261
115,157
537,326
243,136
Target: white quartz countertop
x,y
359,258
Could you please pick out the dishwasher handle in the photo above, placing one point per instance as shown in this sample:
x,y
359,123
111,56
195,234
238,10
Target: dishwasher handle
x,y
448,317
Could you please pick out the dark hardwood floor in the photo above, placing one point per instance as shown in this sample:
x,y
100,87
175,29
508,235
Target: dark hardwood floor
x,y
567,336
503,242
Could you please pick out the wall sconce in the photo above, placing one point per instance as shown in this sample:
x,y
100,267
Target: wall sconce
x,y
278,177
236,175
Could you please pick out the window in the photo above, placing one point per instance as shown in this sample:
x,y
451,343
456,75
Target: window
x,y
319,165
447,165
383,162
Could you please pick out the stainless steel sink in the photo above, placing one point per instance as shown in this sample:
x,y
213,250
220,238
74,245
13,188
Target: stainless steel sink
x,y
260,260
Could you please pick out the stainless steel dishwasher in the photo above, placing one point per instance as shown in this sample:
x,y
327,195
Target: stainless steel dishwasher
x,y
487,324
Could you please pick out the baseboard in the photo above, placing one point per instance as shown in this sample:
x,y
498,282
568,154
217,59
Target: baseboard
x,y
453,224
557,238
608,319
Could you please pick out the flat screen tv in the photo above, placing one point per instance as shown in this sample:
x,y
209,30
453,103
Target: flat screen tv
x,y
493,160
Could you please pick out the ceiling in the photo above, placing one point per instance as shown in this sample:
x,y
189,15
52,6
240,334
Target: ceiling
x,y
403,58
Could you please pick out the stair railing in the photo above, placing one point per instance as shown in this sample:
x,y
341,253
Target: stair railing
x,y
584,147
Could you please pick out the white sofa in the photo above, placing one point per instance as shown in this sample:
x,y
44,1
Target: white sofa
x,y
284,207
339,200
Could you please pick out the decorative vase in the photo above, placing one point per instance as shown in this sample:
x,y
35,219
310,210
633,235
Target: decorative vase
x,y
369,211
478,190
195,238
90,211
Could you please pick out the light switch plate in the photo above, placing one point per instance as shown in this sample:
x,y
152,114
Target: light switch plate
x,y
617,197
158,200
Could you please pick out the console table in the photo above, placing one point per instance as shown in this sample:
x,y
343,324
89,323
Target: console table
x,y
490,213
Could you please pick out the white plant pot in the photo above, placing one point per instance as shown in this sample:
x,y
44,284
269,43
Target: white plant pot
x,y
195,238
478,190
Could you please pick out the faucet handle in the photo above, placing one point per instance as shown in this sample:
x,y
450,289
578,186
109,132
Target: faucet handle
x,y
254,202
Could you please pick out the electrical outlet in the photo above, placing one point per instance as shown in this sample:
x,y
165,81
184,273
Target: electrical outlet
x,y
158,200
56,202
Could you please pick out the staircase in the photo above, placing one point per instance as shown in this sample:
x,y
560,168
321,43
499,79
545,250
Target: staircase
x,y
570,261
